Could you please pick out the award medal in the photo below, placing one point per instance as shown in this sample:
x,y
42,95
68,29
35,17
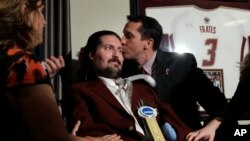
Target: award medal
x,y
149,114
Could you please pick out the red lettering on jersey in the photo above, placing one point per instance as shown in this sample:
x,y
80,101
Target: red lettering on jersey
x,y
211,52
208,29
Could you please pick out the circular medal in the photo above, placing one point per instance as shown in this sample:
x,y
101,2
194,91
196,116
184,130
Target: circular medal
x,y
147,112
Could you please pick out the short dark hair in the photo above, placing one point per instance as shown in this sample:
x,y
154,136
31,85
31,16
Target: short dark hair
x,y
150,28
87,71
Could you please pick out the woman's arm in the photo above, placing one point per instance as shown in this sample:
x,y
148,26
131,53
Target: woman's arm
x,y
39,110
205,133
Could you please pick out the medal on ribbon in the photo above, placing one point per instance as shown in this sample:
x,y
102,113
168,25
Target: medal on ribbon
x,y
149,115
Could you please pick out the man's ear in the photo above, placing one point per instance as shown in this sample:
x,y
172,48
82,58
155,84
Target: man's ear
x,y
149,43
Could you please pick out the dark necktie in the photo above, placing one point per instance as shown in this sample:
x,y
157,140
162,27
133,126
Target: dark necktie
x,y
143,71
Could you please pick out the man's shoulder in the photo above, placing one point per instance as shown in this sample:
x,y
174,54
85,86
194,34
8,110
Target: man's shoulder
x,y
174,56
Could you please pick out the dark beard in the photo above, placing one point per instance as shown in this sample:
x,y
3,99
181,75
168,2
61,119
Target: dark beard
x,y
109,72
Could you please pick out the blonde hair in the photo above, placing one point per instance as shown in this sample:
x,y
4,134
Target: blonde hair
x,y
14,27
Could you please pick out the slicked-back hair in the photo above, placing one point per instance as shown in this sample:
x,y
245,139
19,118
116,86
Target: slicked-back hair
x,y
87,71
150,28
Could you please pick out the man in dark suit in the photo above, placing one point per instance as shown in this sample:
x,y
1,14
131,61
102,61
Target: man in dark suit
x,y
98,103
178,79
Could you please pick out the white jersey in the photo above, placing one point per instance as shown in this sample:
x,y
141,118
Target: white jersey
x,y
218,38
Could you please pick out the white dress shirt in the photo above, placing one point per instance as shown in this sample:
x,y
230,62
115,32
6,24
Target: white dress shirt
x,y
123,98
148,65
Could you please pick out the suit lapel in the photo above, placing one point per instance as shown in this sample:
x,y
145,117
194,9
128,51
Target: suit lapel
x,y
99,88
162,68
164,73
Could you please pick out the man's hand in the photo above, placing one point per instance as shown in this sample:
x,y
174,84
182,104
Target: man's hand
x,y
206,133
54,64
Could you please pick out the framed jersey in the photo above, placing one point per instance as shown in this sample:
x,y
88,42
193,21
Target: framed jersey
x,y
139,6
219,38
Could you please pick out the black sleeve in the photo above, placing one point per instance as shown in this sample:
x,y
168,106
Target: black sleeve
x,y
207,95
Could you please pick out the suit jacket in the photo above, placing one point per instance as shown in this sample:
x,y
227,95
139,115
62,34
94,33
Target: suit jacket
x,y
182,84
101,114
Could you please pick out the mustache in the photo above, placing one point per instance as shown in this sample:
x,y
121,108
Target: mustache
x,y
114,60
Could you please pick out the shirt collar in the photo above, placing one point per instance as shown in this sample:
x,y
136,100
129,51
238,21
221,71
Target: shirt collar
x,y
148,65
107,81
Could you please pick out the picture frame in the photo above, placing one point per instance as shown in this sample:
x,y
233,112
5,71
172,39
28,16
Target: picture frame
x,y
216,76
183,33
138,7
